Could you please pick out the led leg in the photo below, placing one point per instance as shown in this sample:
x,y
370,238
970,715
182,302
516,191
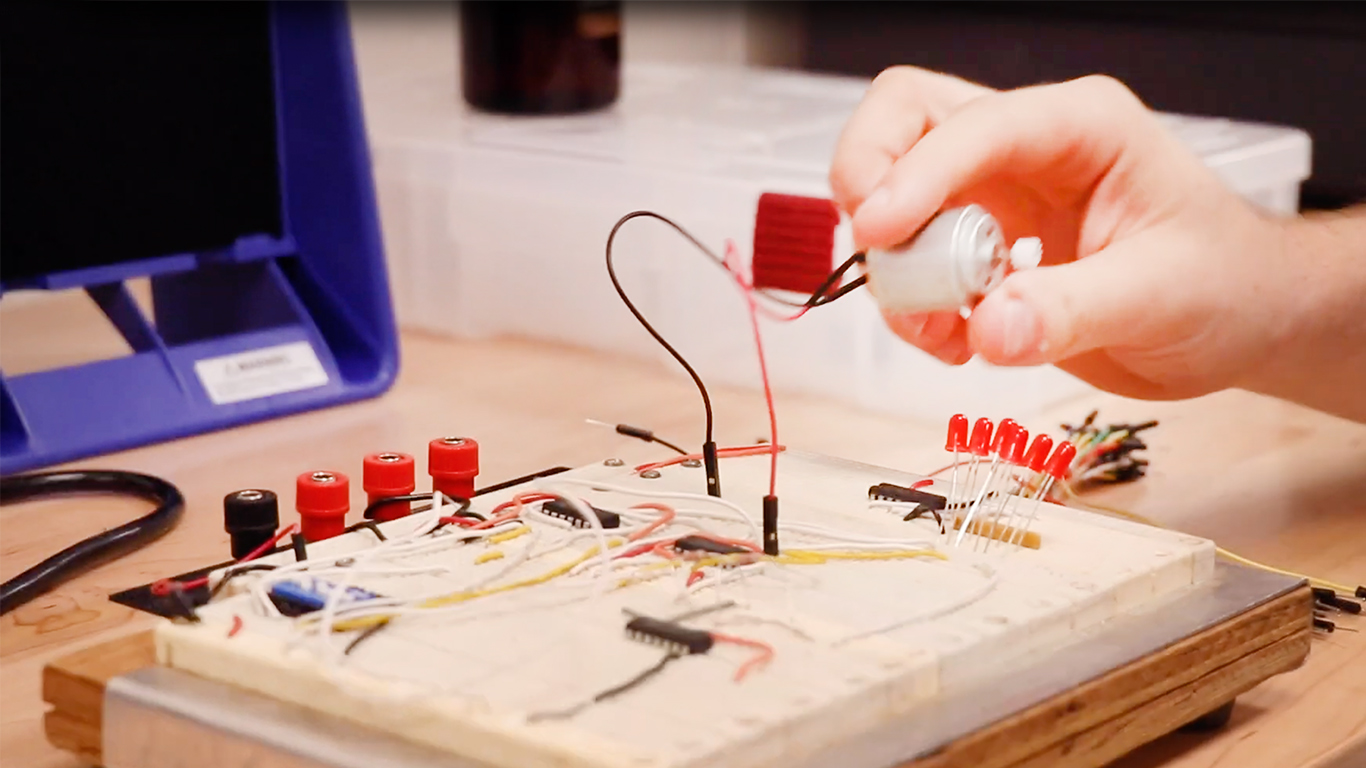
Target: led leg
x,y
1034,511
997,517
1013,504
953,486
992,487
977,502
971,477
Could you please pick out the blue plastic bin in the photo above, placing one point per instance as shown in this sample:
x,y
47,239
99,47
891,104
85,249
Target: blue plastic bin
x,y
218,149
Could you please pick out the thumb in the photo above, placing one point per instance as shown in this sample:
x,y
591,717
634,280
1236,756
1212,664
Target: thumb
x,y
1053,313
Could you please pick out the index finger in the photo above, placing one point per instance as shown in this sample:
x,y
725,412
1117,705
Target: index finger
x,y
901,106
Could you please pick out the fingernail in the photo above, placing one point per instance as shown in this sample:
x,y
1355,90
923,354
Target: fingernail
x,y
1021,331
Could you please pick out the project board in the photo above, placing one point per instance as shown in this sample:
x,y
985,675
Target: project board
x,y
869,618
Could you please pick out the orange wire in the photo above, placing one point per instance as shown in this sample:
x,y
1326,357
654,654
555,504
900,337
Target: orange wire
x,y
760,659
515,504
667,515
722,453
520,499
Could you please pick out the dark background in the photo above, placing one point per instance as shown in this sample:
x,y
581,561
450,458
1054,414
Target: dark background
x,y
1297,64
134,130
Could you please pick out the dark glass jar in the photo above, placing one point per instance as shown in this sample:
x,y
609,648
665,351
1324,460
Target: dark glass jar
x,y
540,57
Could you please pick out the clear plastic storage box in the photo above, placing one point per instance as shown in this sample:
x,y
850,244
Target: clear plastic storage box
x,y
496,226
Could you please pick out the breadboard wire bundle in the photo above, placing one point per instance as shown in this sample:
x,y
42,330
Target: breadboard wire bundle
x,y
540,567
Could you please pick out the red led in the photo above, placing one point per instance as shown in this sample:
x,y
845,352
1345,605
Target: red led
x,y
323,499
389,474
1017,447
1001,441
453,463
1037,456
958,434
981,437
1060,463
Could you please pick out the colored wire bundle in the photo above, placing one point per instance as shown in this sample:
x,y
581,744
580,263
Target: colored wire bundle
x,y
1106,455
645,542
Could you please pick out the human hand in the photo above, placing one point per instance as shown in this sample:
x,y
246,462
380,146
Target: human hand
x,y
1158,283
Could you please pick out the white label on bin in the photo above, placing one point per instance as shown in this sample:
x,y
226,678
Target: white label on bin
x,y
261,373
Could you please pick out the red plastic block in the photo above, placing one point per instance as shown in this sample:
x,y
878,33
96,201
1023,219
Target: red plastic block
x,y
794,242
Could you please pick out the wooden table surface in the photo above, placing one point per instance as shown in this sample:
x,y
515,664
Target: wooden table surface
x,y
1268,480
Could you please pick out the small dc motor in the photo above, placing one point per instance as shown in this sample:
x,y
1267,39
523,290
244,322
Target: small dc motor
x,y
959,257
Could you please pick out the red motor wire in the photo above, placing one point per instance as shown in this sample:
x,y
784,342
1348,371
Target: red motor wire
x,y
732,264
164,586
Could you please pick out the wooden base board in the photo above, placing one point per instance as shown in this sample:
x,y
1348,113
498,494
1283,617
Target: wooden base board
x,y
74,686
1086,727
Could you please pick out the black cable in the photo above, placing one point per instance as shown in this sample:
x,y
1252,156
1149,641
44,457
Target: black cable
x,y
369,513
819,297
370,525
670,446
463,511
621,292
616,690
637,680
99,548
823,299
233,573
641,433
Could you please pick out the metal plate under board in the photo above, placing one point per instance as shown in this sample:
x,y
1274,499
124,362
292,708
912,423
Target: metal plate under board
x,y
162,718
